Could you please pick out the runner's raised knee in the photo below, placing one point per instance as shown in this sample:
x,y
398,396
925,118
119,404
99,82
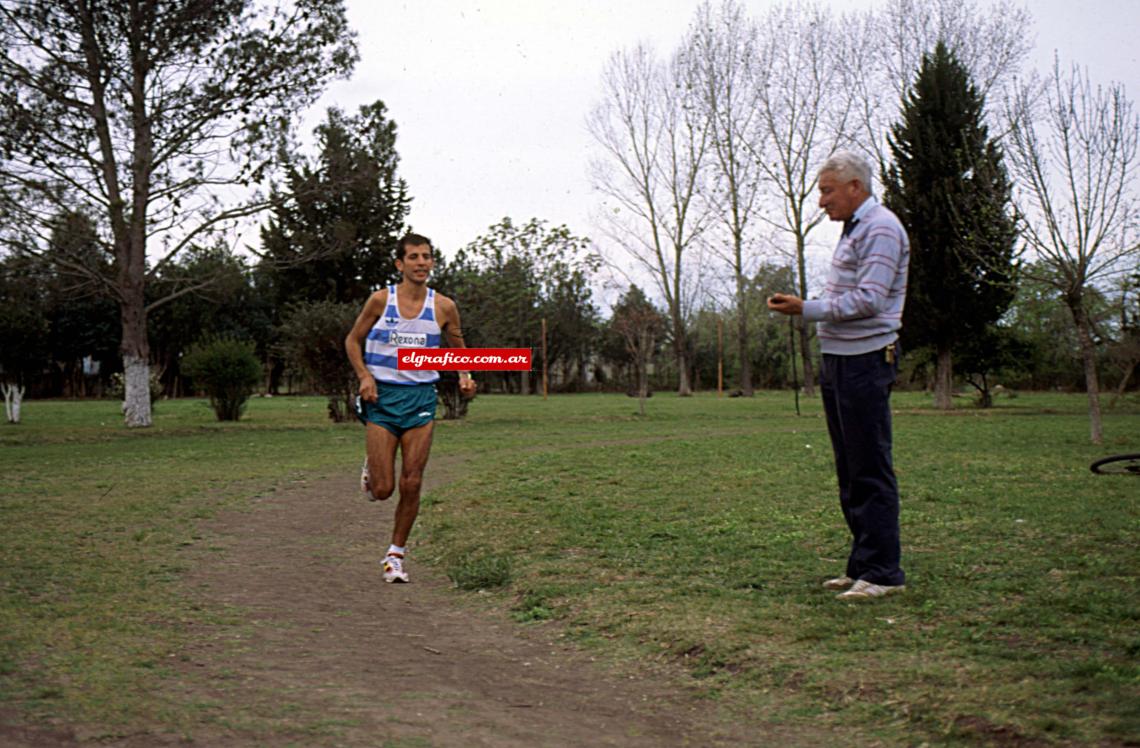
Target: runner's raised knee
x,y
382,491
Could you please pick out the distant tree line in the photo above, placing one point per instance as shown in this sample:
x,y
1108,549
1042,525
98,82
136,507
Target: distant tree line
x,y
118,260
326,247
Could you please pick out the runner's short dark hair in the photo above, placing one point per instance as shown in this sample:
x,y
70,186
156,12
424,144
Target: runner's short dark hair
x,y
409,238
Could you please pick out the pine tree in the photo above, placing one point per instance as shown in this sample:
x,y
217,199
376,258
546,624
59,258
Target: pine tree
x,y
335,238
949,186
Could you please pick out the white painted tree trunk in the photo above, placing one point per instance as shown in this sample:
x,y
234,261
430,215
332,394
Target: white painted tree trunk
x,y
136,396
13,396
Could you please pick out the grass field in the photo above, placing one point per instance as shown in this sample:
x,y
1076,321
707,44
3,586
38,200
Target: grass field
x,y
695,537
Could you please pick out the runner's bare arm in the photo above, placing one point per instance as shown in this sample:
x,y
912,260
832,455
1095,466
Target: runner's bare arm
x,y
449,323
354,343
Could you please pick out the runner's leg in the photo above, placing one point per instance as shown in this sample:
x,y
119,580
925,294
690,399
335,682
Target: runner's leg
x,y
415,446
381,445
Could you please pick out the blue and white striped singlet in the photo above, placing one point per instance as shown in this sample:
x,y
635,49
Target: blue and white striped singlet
x,y
392,332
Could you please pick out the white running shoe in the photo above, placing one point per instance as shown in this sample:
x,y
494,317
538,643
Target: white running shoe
x,y
864,590
364,479
394,569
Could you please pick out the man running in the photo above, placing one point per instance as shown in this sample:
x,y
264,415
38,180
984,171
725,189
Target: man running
x,y
399,406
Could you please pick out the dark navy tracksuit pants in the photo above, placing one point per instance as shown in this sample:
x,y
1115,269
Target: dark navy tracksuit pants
x,y
856,399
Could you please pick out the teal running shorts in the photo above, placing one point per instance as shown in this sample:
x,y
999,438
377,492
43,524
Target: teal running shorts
x,y
400,407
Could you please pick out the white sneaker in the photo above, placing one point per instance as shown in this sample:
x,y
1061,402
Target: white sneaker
x,y
864,590
839,583
394,569
364,479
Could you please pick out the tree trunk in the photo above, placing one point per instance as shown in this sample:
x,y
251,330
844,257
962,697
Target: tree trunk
x,y
13,396
276,372
987,398
944,379
1088,356
136,397
1123,384
742,339
643,372
136,343
684,386
136,367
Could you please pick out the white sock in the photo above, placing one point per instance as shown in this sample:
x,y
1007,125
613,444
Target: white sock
x,y
395,550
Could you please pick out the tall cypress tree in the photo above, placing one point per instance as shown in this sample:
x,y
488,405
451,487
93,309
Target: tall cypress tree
x,y
949,187
335,238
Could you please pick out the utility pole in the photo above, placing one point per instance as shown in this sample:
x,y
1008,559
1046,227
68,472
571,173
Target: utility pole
x,y
719,357
544,387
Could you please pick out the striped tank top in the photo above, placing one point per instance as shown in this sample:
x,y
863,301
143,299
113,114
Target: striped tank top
x,y
392,332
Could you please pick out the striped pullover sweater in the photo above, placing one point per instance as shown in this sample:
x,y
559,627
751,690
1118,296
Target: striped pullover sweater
x,y
861,308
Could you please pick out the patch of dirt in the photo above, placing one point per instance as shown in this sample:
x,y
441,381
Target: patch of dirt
x,y
982,730
330,655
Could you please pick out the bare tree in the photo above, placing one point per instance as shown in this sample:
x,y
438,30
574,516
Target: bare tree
x,y
720,50
1075,160
156,119
654,144
804,109
991,42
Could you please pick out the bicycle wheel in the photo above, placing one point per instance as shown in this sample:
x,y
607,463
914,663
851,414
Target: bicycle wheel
x,y
1117,465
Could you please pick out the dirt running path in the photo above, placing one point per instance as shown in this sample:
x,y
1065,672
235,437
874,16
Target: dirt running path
x,y
403,665
333,656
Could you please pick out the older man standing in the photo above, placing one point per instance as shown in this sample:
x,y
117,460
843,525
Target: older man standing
x,y
859,319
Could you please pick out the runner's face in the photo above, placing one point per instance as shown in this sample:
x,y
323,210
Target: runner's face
x,y
417,263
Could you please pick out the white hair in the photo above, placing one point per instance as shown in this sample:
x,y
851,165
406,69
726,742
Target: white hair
x,y
848,165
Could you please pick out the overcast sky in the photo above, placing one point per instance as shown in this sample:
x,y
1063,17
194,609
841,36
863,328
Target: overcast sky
x,y
490,96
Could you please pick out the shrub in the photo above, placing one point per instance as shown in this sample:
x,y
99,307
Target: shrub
x,y
312,340
454,404
227,370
